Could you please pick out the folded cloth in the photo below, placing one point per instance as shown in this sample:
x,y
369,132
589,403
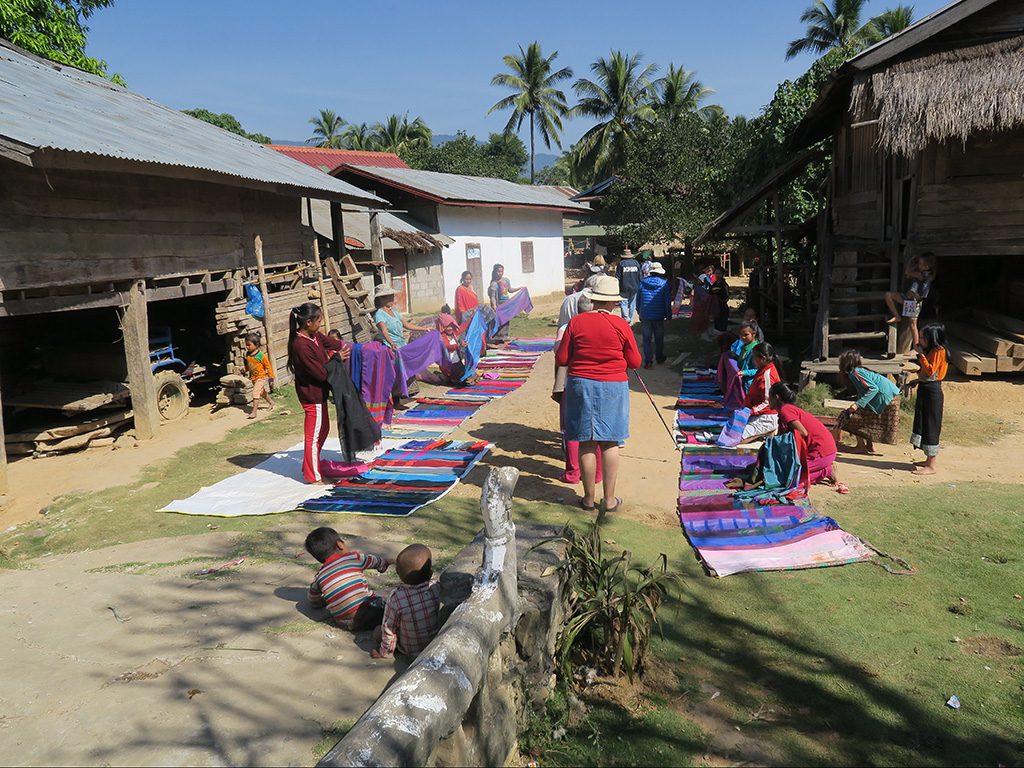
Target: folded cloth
x,y
733,431
342,469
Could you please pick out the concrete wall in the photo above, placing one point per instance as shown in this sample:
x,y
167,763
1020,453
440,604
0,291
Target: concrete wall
x,y
425,281
499,231
463,699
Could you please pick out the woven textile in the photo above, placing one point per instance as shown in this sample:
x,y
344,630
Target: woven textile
x,y
404,479
881,427
734,532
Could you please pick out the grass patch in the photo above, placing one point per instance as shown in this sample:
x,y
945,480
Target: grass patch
x,y
812,398
331,735
127,513
297,627
139,568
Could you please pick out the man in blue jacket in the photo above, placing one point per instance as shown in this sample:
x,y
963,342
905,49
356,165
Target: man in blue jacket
x,y
655,307
629,276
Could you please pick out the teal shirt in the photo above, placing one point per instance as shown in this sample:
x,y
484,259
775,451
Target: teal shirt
x,y
394,325
875,391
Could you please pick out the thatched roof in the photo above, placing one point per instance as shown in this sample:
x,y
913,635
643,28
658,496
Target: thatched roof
x,y
413,242
947,95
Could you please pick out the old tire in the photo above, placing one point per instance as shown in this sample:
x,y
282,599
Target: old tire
x,y
172,395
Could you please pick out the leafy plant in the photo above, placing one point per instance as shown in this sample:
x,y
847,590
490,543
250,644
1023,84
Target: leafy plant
x,y
228,122
613,606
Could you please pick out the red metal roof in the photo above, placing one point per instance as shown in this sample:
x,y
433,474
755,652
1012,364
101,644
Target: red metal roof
x,y
329,160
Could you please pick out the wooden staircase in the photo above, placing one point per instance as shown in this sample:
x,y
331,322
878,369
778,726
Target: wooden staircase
x,y
851,307
347,280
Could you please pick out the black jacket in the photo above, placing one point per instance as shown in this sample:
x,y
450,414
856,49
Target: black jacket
x,y
358,430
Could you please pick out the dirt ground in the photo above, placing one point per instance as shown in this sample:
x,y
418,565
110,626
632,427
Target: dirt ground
x,y
122,656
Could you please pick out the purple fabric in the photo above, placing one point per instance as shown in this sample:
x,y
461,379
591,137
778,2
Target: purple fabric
x,y
420,354
695,462
702,485
519,303
377,380
733,432
730,382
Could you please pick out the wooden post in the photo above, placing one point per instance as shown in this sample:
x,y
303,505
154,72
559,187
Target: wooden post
x,y
4,482
267,327
320,282
780,287
377,253
338,230
135,330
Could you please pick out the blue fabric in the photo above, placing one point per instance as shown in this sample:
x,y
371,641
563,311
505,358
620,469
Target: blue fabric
x,y
355,364
874,390
654,339
744,355
393,323
476,334
596,410
654,303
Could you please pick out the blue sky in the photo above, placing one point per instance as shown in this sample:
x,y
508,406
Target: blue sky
x,y
274,65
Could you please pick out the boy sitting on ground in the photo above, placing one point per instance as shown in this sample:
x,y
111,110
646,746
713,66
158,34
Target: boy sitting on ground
x,y
410,618
339,585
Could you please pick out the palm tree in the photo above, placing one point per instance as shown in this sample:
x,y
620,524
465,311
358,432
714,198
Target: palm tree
x,y
619,97
326,129
358,137
679,92
829,26
535,95
888,23
396,134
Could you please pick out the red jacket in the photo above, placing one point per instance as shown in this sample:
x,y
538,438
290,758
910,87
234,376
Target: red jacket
x,y
309,356
757,395
598,346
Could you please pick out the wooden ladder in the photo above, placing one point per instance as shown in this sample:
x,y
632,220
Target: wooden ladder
x,y
357,299
855,313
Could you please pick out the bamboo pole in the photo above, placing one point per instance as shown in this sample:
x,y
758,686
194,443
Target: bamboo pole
x,y
320,283
258,246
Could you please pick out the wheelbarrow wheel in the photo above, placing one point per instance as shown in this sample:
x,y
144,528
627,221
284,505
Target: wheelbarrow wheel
x,y
172,395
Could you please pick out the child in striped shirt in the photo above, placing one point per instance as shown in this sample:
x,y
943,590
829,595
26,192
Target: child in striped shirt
x,y
339,585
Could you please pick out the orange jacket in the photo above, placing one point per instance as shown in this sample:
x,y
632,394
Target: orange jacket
x,y
933,364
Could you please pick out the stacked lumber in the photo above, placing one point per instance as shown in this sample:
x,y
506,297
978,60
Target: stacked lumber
x,y
233,322
97,432
986,342
235,390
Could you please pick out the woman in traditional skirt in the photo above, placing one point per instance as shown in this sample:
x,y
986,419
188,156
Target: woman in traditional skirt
x,y
876,414
598,349
931,357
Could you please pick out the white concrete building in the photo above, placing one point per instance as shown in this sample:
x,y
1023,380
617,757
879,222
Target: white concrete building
x,y
491,221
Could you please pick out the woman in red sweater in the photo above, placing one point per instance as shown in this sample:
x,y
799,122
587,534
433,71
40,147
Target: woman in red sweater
x,y
308,353
764,420
598,348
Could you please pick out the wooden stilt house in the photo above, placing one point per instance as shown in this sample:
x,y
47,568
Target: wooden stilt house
x,y
928,157
124,224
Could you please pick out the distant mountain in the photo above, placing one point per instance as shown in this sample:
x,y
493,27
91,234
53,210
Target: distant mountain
x,y
543,160
286,143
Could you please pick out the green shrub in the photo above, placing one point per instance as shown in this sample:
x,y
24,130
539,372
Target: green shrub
x,y
812,398
613,606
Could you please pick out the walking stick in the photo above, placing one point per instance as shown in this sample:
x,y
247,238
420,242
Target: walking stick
x,y
656,409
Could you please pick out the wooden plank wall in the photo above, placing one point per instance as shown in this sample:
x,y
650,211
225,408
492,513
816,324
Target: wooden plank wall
x,y
73,227
971,199
858,196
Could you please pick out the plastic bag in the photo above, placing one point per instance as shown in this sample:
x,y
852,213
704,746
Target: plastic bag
x,y
254,302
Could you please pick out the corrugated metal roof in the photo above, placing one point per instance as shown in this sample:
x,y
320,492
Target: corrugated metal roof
x,y
454,189
357,226
45,105
329,160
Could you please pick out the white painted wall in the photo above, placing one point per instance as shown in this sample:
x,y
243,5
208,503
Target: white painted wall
x,y
499,231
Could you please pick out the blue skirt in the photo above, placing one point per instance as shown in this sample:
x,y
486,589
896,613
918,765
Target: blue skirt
x,y
596,410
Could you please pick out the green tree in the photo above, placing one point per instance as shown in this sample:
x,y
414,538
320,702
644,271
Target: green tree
x,y
228,123
561,173
499,158
619,97
674,180
396,134
535,96
679,92
829,26
888,23
359,137
327,128
55,30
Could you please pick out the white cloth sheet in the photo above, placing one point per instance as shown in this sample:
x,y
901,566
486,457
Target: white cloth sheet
x,y
275,485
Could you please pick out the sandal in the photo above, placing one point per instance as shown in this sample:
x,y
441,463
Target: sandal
x,y
618,503
842,488
587,508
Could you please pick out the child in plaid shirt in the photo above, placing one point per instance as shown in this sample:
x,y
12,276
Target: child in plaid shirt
x,y
339,585
410,617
